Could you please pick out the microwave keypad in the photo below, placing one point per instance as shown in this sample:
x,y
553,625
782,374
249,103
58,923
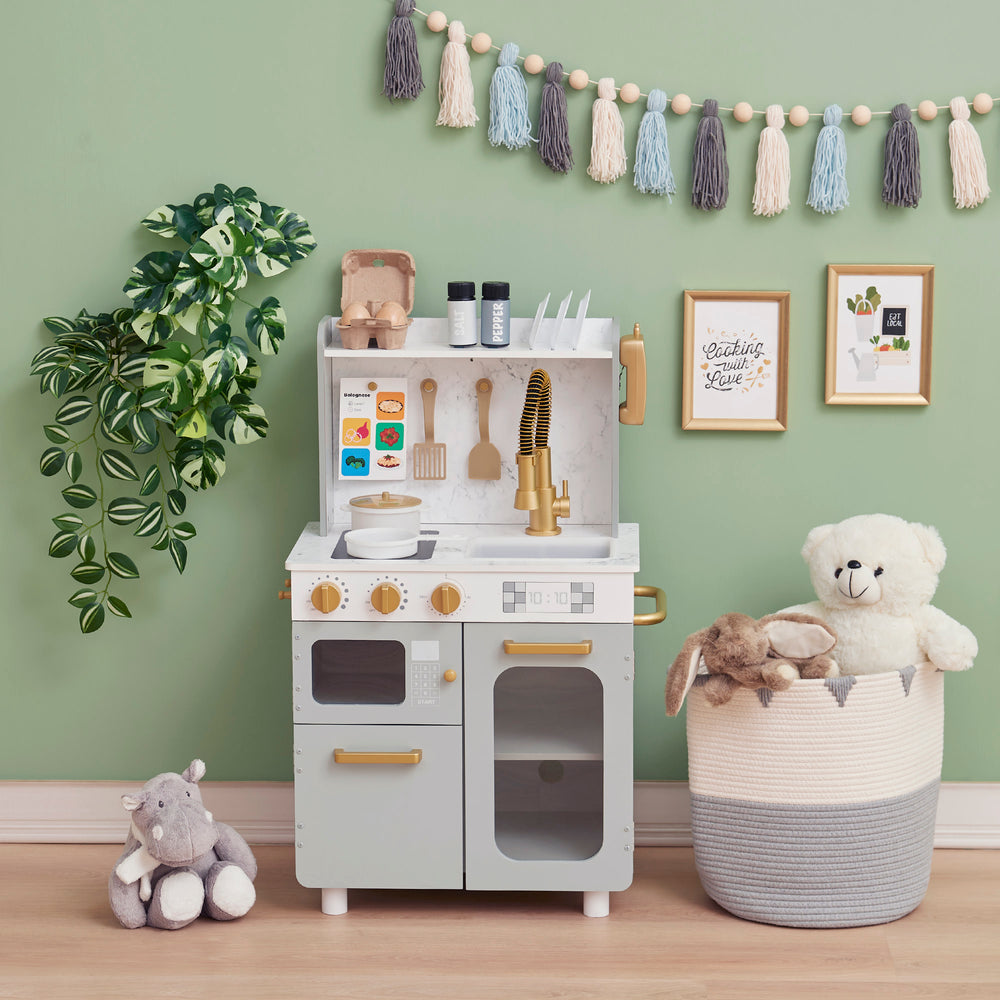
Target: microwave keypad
x,y
425,679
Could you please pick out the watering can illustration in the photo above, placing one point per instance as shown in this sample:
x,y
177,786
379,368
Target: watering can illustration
x,y
866,364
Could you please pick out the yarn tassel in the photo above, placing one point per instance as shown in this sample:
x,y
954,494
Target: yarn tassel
x,y
607,148
553,123
901,180
828,184
710,168
770,192
455,92
509,124
968,165
652,173
403,78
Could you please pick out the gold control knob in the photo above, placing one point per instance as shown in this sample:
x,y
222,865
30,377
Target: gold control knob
x,y
385,598
446,598
326,598
450,676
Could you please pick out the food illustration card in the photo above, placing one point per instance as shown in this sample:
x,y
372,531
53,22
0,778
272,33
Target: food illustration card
x,y
372,431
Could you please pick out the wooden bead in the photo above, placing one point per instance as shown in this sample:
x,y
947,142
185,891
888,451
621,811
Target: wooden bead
x,y
861,115
481,42
927,111
437,20
681,104
579,79
630,93
743,112
534,64
798,115
982,103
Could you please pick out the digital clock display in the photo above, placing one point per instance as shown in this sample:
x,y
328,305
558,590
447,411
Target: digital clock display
x,y
521,597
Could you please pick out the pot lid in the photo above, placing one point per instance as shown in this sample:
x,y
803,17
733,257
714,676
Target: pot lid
x,y
385,501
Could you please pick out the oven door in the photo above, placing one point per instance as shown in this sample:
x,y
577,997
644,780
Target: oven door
x,y
359,673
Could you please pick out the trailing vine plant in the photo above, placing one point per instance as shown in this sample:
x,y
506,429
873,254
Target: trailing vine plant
x,y
150,394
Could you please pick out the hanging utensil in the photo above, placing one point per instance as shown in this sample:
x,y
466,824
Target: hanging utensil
x,y
429,459
484,459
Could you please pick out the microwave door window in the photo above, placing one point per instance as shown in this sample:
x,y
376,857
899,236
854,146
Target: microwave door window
x,y
358,672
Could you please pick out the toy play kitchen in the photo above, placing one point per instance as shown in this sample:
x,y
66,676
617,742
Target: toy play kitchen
x,y
463,695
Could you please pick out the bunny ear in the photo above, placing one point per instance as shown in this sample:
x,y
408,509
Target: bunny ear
x,y
798,636
195,771
683,672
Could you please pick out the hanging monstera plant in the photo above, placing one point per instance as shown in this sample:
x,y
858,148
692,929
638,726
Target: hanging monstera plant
x,y
150,395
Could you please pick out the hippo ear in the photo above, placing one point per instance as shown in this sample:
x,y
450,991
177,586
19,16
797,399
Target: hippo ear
x,y
133,802
814,538
195,772
930,542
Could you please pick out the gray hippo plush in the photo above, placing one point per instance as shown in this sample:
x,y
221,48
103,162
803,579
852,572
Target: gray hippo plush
x,y
178,862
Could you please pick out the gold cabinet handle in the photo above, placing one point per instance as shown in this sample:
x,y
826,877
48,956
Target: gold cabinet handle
x,y
581,648
652,617
632,354
342,756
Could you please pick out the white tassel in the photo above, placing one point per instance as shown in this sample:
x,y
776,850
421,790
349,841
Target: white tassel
x,y
455,91
607,147
968,165
770,193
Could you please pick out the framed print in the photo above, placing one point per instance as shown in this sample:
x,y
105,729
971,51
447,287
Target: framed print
x,y
878,334
735,361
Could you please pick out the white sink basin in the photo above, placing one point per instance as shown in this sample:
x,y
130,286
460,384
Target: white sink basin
x,y
533,547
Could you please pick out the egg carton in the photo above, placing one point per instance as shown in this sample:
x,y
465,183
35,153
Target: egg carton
x,y
376,298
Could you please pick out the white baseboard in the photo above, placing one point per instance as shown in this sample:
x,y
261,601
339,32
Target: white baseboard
x,y
90,812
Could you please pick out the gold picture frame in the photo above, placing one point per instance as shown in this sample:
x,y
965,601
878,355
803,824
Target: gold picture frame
x,y
735,370
879,321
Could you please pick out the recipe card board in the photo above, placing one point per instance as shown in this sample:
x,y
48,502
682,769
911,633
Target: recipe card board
x,y
372,428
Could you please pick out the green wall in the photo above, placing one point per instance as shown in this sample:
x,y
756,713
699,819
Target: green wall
x,y
113,107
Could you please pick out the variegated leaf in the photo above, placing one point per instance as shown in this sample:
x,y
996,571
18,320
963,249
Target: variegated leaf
x,y
151,523
176,501
184,530
68,522
56,434
266,325
79,496
74,465
241,208
86,547
161,221
83,597
142,424
201,463
52,461
63,543
87,572
178,552
59,324
299,241
75,409
91,618
132,367
191,423
125,510
122,566
118,466
152,328
151,285
241,421
150,482
220,252
118,607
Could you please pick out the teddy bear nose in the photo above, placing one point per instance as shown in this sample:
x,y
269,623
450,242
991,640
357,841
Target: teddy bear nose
x,y
854,564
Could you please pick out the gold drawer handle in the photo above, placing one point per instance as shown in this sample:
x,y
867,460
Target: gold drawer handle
x,y
341,756
581,648
652,617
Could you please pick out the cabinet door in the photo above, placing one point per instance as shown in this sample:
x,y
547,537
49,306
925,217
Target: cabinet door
x,y
548,750
381,816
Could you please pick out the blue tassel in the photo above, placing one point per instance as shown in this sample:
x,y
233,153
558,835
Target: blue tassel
x,y
509,124
828,186
652,155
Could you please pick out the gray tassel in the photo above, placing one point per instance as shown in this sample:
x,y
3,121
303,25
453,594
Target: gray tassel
x,y
553,127
710,173
901,182
403,78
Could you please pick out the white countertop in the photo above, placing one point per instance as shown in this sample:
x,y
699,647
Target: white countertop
x,y
312,551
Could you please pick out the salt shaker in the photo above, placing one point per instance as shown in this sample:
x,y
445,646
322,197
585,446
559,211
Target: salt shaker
x,y
462,313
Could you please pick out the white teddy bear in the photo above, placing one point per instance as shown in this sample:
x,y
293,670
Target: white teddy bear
x,y
875,575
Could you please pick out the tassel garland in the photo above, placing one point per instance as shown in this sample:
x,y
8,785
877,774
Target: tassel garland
x,y
455,93
509,124
901,179
607,149
710,169
403,79
770,193
553,123
652,155
968,165
828,185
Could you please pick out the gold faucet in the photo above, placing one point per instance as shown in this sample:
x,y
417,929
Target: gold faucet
x,y
535,492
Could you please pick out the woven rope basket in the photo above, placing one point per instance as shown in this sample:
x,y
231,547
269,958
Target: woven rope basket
x,y
815,807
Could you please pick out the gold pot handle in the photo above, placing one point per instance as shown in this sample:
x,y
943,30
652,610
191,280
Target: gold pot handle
x,y
652,617
341,756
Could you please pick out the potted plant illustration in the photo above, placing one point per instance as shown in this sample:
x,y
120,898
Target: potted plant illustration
x,y
864,307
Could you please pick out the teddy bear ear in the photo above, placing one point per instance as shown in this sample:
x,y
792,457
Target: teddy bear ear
x,y
195,771
930,542
815,538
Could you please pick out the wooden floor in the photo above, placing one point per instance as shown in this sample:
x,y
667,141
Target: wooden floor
x,y
664,939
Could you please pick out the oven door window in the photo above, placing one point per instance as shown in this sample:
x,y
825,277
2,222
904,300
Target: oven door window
x,y
358,672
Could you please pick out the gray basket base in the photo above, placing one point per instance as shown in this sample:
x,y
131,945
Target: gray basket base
x,y
844,865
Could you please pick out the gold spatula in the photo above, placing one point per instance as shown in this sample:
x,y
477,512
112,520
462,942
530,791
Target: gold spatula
x,y
429,460
484,459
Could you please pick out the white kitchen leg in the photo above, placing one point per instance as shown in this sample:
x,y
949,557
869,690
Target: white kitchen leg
x,y
334,901
596,904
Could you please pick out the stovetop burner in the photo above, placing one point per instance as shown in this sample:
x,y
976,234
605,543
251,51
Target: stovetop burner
x,y
425,549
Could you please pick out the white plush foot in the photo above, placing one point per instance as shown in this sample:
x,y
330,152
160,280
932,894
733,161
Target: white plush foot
x,y
232,893
181,897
